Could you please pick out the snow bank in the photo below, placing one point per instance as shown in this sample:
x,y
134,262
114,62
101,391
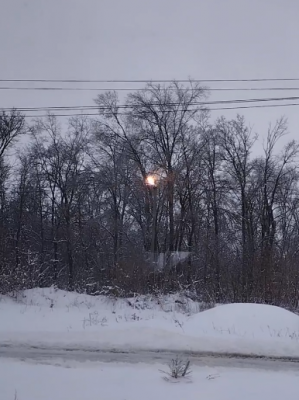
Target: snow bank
x,y
54,318
247,320
55,298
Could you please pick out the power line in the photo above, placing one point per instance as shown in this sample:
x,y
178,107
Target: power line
x,y
150,80
132,106
255,106
168,111
138,89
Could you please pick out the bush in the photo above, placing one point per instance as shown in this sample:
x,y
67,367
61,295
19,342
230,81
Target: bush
x,y
178,368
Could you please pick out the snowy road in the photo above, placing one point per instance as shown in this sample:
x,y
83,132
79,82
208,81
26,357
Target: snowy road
x,y
55,356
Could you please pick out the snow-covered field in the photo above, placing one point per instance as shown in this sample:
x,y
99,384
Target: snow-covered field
x,y
54,318
94,381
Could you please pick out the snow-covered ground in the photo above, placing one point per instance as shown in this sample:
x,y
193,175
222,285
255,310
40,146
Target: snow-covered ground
x,y
54,318
93,381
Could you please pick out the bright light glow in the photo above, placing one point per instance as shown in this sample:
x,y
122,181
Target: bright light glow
x,y
151,180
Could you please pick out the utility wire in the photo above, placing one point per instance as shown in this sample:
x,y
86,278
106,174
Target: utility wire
x,y
168,111
138,89
166,104
150,80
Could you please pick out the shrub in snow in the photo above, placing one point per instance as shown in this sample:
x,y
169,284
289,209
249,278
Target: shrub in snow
x,y
178,368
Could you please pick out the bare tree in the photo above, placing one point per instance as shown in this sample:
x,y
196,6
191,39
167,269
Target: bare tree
x,y
62,163
273,171
163,116
236,141
12,125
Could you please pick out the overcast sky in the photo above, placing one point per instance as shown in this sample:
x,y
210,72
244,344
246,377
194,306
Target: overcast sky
x,y
151,39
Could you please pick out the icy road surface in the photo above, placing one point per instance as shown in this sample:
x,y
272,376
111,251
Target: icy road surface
x,y
56,356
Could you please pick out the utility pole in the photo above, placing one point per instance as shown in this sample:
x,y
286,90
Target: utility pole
x,y
152,182
154,233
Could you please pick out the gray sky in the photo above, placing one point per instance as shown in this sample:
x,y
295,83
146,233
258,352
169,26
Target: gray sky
x,y
151,39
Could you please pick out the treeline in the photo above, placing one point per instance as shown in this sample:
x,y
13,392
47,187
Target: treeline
x,y
76,212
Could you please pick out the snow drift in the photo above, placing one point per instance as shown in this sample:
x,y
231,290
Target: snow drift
x,y
55,318
251,320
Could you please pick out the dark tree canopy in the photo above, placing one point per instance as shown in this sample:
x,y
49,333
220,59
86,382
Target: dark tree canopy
x,y
76,212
